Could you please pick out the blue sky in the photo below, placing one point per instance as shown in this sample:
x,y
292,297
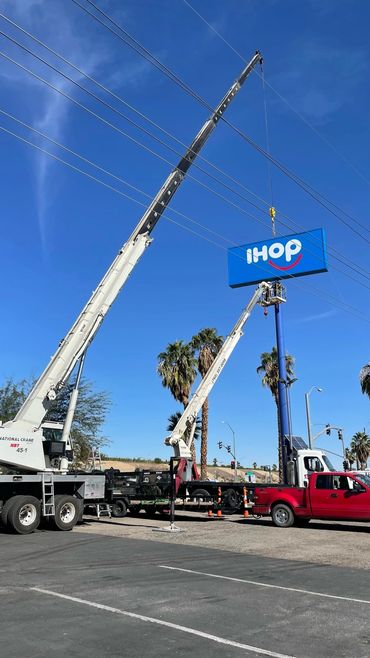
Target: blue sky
x,y
61,230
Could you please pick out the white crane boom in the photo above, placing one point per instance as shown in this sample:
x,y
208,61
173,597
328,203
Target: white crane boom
x,y
30,416
178,439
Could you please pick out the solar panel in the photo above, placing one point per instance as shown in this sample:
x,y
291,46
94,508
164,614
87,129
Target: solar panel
x,y
298,443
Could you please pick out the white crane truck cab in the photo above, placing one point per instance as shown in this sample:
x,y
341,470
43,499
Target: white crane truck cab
x,y
304,461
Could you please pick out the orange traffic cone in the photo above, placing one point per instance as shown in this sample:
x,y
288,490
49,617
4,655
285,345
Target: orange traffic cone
x,y
219,514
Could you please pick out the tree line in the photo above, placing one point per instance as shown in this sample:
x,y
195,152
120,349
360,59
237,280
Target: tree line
x,y
177,366
90,415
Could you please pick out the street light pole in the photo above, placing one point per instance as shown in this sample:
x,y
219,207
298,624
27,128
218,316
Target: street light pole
x,y
233,433
307,400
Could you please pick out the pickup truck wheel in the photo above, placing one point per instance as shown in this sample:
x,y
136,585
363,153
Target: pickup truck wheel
x,y
67,512
119,509
282,515
24,513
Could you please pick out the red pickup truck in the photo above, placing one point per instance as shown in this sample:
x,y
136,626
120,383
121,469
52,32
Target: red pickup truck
x,y
335,495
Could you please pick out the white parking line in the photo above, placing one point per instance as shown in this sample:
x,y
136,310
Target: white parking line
x,y
161,622
258,584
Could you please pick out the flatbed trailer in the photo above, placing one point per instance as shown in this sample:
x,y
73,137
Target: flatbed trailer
x,y
150,491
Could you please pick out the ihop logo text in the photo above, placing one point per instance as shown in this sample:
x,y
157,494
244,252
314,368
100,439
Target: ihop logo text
x,y
279,255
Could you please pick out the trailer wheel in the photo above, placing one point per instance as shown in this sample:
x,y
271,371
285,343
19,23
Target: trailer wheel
x,y
135,510
67,512
230,498
24,513
282,515
119,509
150,510
201,495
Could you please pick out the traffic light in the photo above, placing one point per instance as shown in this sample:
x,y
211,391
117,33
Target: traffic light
x,y
232,465
328,430
340,435
220,444
228,448
346,465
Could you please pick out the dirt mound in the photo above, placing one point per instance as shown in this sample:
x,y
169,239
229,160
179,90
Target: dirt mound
x,y
220,473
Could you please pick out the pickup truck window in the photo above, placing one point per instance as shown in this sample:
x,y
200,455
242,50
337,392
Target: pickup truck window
x,y
327,481
324,482
365,479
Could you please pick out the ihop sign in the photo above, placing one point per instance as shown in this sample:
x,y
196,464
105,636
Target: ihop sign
x,y
279,258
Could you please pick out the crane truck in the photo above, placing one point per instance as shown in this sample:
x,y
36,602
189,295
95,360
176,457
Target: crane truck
x,y
38,452
151,490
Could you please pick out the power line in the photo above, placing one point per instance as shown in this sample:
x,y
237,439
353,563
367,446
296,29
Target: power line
x,y
332,300
101,169
285,100
341,257
157,155
133,43
140,144
68,149
355,268
122,132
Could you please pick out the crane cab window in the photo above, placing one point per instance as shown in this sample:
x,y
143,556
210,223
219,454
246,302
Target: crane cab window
x,y
313,465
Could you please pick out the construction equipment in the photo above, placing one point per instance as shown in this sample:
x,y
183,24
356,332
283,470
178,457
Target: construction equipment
x,y
28,443
182,435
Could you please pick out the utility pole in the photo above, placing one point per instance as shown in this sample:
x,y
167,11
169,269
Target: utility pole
x,y
308,415
234,449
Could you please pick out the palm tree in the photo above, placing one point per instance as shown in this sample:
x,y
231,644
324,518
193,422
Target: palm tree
x,y
177,369
207,343
365,379
360,446
350,457
174,419
269,368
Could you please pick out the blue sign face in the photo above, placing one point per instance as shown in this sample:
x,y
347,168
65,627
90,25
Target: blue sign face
x,y
279,258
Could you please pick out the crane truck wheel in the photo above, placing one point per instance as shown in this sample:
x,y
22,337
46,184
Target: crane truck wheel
x,y
67,512
119,509
24,513
282,515
5,511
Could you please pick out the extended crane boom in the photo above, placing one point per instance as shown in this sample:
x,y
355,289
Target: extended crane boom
x,y
182,435
30,416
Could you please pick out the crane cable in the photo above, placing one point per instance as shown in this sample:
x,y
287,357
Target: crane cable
x,y
272,210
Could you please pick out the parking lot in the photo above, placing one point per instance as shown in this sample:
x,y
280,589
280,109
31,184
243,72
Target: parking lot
x,y
322,542
90,593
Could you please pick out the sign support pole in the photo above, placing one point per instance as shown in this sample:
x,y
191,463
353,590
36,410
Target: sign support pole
x,y
283,410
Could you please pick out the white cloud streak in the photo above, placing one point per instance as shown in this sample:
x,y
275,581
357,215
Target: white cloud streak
x,y
316,317
55,25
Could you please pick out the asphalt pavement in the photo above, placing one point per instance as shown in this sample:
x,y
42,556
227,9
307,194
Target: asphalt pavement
x,y
74,594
